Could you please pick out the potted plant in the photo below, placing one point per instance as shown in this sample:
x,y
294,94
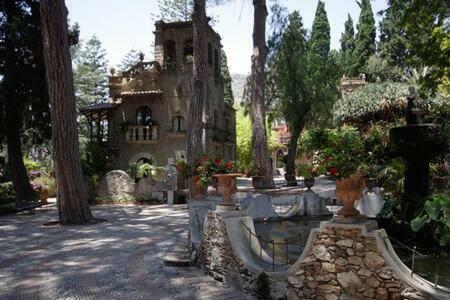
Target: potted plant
x,y
256,173
308,172
43,184
439,174
342,159
226,182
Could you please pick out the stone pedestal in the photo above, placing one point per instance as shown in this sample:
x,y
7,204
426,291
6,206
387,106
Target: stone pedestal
x,y
216,253
347,261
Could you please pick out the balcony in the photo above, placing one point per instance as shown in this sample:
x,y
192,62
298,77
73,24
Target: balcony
x,y
142,134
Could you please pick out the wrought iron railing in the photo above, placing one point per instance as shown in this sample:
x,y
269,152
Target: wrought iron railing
x,y
415,254
283,207
271,244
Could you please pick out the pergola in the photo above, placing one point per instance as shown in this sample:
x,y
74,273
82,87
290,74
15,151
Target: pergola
x,y
96,114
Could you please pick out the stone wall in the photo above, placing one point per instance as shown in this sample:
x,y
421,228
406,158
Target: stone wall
x,y
216,254
345,261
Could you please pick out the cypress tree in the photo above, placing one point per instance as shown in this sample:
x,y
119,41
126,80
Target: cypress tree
x,y
348,36
365,37
227,90
320,34
393,44
346,55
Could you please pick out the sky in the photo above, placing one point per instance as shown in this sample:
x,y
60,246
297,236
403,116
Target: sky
x,y
122,25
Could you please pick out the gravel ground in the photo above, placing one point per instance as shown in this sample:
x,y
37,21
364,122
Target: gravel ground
x,y
117,259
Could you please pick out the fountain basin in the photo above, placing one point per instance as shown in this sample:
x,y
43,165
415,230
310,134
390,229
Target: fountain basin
x,y
417,141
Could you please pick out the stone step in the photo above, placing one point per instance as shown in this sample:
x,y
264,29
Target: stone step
x,y
180,254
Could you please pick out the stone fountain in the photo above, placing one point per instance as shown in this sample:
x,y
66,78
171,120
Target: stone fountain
x,y
417,143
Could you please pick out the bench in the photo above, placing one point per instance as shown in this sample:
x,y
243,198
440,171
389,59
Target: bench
x,y
26,206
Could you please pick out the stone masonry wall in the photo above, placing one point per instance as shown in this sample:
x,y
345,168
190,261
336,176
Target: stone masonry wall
x,y
216,254
344,262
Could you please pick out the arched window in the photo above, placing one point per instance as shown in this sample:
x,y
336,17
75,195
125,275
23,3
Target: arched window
x,y
210,54
178,124
144,116
169,52
188,51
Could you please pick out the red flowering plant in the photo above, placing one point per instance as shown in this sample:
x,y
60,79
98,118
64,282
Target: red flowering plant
x,y
309,170
344,153
205,168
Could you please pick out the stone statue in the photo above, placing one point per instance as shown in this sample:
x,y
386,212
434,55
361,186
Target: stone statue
x,y
413,111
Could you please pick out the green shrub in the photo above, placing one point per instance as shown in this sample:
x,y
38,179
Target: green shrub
x,y
48,182
7,190
435,218
31,165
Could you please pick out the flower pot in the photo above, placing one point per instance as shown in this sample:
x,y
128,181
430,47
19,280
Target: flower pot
x,y
43,196
440,183
226,187
308,183
258,182
348,191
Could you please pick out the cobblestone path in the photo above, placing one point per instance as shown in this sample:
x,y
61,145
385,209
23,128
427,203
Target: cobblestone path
x,y
117,259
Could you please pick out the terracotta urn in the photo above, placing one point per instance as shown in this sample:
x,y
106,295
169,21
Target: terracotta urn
x,y
309,183
227,187
43,196
349,190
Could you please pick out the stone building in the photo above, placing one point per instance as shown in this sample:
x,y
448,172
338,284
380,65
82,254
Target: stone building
x,y
145,118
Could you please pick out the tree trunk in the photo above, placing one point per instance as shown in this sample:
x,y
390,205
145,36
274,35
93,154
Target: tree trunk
x,y
13,110
292,153
71,192
260,153
198,86
19,176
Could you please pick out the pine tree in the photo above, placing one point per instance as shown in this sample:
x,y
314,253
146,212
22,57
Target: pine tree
x,y
226,78
365,37
91,73
130,59
72,203
320,34
260,152
174,10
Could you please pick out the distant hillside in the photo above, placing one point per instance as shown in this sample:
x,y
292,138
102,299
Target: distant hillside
x,y
238,83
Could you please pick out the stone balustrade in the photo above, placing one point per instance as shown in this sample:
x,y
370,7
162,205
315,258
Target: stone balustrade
x,y
142,134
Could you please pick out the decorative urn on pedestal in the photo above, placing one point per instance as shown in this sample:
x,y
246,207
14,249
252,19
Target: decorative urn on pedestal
x,y
349,190
226,187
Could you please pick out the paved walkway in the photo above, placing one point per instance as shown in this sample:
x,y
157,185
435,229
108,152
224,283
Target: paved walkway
x,y
117,259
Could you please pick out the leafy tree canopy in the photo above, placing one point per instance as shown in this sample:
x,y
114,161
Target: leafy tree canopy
x,y
426,25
